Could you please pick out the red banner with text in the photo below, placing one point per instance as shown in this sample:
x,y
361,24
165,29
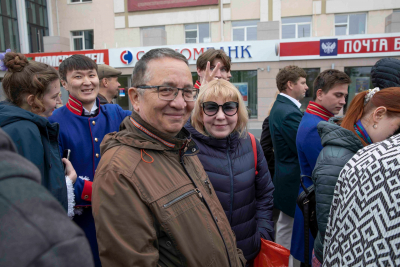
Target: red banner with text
x,y
140,5
55,59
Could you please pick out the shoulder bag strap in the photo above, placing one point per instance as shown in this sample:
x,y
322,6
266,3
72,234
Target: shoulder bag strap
x,y
253,144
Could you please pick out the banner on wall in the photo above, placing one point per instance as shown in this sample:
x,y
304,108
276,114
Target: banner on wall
x,y
140,5
244,91
366,45
55,59
240,52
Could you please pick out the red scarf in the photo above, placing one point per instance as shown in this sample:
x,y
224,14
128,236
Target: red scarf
x,y
318,110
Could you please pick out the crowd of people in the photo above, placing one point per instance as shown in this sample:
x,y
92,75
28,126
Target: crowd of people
x,y
179,181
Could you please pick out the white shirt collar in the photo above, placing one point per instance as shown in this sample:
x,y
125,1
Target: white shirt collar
x,y
92,112
295,101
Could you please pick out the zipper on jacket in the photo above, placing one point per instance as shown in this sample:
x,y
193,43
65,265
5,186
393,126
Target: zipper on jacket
x,y
191,192
208,184
231,180
209,209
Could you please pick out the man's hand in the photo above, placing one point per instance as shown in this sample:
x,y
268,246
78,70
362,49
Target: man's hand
x,y
210,75
69,170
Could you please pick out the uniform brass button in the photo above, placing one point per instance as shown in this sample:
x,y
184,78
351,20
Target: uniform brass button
x,y
97,140
93,122
193,149
86,197
97,155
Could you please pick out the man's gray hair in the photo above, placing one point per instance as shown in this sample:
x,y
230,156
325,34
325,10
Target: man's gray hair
x,y
141,75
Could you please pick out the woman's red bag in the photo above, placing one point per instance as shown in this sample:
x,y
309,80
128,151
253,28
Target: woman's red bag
x,y
272,254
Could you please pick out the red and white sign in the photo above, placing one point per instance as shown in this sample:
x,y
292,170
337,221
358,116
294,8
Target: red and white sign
x,y
139,5
240,52
382,45
55,59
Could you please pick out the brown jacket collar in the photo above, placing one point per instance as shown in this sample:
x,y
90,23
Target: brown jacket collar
x,y
135,132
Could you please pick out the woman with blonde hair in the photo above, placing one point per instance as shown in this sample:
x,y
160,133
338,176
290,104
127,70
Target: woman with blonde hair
x,y
244,187
33,92
372,116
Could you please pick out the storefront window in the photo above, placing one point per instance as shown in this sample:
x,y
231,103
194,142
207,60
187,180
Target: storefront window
x,y
312,74
36,15
123,98
9,34
360,81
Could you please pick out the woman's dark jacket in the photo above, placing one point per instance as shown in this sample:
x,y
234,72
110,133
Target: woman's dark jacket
x,y
36,139
266,143
34,228
246,198
340,145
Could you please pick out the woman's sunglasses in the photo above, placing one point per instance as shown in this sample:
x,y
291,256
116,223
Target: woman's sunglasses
x,y
211,108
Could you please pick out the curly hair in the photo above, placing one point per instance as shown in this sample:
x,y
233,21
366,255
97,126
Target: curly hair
x,y
289,73
24,78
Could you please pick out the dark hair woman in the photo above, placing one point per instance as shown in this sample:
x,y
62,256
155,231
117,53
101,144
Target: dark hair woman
x,y
33,91
373,116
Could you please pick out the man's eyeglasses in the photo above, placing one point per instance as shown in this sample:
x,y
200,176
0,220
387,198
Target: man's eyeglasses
x,y
211,108
169,93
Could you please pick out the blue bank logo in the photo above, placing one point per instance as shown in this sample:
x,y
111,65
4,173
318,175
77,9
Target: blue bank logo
x,y
126,57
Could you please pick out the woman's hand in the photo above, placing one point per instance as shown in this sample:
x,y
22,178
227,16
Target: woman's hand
x,y
210,75
69,170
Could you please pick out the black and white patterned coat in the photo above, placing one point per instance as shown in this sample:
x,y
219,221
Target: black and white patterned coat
x,y
364,221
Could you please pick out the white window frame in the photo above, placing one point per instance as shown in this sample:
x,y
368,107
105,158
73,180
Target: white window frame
x,y
79,2
296,27
348,22
245,30
198,32
78,37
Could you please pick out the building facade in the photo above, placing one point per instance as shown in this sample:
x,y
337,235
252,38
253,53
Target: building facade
x,y
261,36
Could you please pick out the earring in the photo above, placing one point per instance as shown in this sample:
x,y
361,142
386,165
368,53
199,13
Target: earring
x,y
375,126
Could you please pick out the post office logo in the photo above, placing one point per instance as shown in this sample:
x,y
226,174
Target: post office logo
x,y
328,47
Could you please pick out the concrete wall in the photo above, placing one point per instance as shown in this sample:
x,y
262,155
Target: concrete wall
x,y
128,37
56,44
349,6
216,32
292,8
268,30
323,25
154,36
376,21
393,22
175,34
227,31
173,16
245,10
95,16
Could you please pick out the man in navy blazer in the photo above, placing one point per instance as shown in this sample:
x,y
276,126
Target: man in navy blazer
x,y
284,121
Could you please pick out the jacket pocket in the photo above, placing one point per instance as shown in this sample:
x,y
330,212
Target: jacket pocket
x,y
189,225
187,194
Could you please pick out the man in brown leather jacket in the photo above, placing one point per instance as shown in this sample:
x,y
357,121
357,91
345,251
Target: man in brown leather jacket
x,y
152,201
